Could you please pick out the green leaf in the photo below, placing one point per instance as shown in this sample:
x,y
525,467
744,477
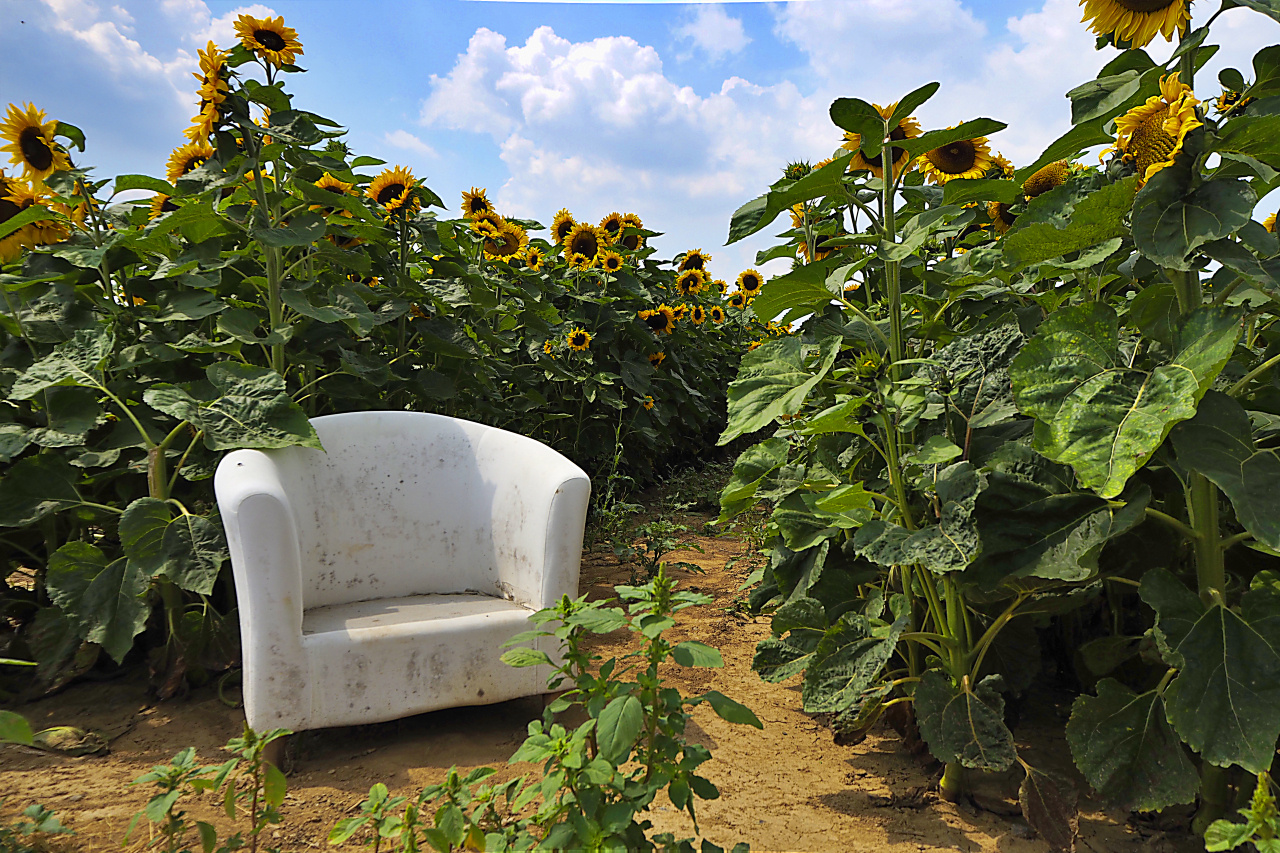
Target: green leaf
x,y
1068,146
759,212
804,289
693,653
731,711
14,728
188,305
79,361
36,487
142,182
521,656
1128,753
70,414
1225,700
981,189
1170,223
847,662
1218,442
194,551
963,724
753,465
198,222
977,369
935,451
274,785
114,609
29,214
70,571
773,380
1096,413
911,101
1049,810
857,116
142,529
1177,610
1030,531
1155,312
936,139
302,230
1264,272
1097,217
617,728
948,546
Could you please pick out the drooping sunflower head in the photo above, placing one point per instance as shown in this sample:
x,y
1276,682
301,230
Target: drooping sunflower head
x,y
562,225
610,261
578,339
1001,219
1270,223
393,190
647,402
695,259
907,128
681,311
656,358
797,170
337,187
750,282
549,347
31,143
1000,167
1046,178
633,242
213,64
187,158
964,158
716,313
160,205
269,39
611,226
475,203
660,320
203,123
737,300
1230,102
1136,22
1152,135
690,281
584,239
533,257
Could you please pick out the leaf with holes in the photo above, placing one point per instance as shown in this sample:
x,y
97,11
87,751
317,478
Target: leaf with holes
x,y
963,724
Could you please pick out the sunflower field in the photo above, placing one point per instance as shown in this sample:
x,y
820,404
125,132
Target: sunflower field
x,y
1032,422
268,277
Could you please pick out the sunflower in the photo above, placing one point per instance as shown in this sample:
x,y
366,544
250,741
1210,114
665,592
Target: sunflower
x,y
213,65
1001,167
737,300
964,158
1230,102
611,226
579,261
31,143
611,261
490,219
797,170
656,358
661,320
720,285
584,239
185,159
269,38
393,190
716,313
695,259
533,257
337,187
203,123
18,197
647,402
160,205
908,128
475,202
562,224
753,345
1151,135
1137,22
549,348
680,312
578,339
509,241
691,281
1001,219
1046,178
1270,223
633,242
750,282
10,244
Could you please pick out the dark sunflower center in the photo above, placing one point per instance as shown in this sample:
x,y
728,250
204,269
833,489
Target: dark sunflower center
x,y
390,193
613,226
478,205
269,39
334,190
611,264
693,262
631,241
579,339
584,244
8,210
656,322
167,206
192,164
750,283
895,134
1146,6
34,149
955,158
563,230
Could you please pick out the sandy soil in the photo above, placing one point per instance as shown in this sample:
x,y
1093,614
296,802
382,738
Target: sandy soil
x,y
786,788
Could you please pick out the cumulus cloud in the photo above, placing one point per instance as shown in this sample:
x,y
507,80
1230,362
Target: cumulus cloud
x,y
406,140
714,32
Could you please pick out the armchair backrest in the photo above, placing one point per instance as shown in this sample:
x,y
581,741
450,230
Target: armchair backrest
x,y
409,503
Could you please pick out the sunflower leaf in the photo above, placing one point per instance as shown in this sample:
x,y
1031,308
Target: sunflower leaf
x,y
911,101
857,116
964,724
71,132
1170,223
143,182
935,139
804,288
1255,136
980,189
772,381
1068,145
1097,217
301,231
1270,8
759,212
26,216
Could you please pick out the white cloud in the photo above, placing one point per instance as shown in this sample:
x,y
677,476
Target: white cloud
x,y
406,140
714,31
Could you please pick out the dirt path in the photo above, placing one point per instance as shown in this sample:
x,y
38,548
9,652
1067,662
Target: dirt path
x,y
786,788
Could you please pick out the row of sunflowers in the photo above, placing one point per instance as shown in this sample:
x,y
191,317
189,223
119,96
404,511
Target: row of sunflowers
x,y
151,324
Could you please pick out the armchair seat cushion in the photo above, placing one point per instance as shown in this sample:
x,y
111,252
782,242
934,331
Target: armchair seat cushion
x,y
382,659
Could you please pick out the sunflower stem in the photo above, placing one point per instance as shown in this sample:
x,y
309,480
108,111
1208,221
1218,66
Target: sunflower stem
x,y
893,285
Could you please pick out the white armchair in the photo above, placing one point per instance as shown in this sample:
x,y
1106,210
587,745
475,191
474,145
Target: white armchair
x,y
380,577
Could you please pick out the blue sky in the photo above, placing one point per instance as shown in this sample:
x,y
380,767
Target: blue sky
x,y
678,112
